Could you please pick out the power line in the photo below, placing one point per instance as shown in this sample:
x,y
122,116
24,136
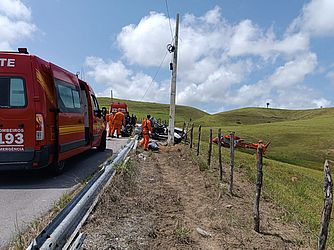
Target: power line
x,y
163,59
156,73
170,26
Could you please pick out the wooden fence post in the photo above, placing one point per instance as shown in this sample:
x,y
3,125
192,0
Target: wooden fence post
x,y
259,156
186,134
220,155
191,135
326,212
231,161
199,139
210,148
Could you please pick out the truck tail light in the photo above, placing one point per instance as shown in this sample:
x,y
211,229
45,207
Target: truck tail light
x,y
39,126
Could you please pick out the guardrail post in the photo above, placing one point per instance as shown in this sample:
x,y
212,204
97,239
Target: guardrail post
x,y
326,212
259,178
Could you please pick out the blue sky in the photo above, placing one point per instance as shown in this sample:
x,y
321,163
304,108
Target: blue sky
x,y
232,54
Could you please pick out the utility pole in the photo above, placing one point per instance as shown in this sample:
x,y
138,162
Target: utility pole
x,y
170,140
111,100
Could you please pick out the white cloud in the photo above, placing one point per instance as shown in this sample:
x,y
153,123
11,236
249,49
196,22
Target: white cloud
x,y
213,16
330,76
15,9
15,23
145,43
321,103
215,84
220,64
316,18
280,87
248,39
124,82
248,95
293,72
300,97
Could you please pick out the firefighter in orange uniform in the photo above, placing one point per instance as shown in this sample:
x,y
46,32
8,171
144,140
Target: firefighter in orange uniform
x,y
146,129
110,118
118,120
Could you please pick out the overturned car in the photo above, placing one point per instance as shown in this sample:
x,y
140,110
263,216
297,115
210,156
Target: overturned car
x,y
160,131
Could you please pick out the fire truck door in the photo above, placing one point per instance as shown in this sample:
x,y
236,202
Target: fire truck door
x,y
71,117
98,124
86,117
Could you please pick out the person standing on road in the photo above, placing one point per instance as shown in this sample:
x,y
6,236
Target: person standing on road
x,y
117,123
146,130
110,121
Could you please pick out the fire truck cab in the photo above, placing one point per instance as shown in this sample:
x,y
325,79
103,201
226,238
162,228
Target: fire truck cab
x,y
47,114
123,107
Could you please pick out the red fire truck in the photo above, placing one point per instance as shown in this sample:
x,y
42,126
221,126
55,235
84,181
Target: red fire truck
x,y
115,106
47,114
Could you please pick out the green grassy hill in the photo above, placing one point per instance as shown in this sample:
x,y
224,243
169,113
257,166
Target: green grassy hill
x,y
301,140
158,110
249,116
300,137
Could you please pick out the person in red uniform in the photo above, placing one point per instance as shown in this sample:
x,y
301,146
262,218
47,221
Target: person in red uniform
x,y
146,129
117,122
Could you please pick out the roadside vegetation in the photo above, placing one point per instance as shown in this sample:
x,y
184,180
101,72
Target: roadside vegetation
x,y
300,142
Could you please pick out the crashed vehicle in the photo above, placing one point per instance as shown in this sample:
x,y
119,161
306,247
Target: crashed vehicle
x,y
160,131
127,130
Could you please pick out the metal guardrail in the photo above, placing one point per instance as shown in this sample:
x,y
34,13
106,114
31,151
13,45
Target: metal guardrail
x,y
63,229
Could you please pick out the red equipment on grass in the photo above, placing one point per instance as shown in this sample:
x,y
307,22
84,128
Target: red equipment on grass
x,y
239,143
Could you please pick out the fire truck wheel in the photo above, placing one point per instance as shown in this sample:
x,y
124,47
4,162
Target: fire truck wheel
x,y
57,168
103,143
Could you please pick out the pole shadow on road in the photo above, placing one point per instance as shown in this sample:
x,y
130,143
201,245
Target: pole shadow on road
x,y
77,169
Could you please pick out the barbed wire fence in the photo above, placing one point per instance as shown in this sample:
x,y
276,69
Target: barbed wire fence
x,y
263,175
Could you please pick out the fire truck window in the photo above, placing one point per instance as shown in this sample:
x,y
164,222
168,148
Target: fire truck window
x,y
13,92
68,97
76,99
17,93
95,103
65,94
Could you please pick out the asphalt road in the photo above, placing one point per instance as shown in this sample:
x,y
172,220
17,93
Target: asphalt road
x,y
25,196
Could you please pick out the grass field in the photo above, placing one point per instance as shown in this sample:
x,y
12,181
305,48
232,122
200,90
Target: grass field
x,y
299,137
158,110
305,143
301,141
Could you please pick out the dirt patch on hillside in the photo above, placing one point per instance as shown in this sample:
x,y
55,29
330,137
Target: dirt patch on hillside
x,y
164,201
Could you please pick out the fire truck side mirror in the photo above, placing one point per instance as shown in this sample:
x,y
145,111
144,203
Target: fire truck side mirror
x,y
98,113
104,112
